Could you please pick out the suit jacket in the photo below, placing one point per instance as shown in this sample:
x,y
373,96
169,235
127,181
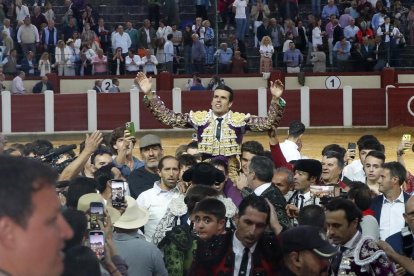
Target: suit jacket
x,y
25,66
276,197
142,38
38,87
377,202
367,53
216,256
97,89
382,51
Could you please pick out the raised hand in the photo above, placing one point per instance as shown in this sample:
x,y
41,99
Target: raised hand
x,y
276,88
273,140
93,141
144,83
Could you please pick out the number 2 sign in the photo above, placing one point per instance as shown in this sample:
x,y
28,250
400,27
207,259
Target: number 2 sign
x,y
106,84
332,82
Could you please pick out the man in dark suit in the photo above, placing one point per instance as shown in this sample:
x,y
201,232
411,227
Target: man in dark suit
x,y
42,86
389,207
97,86
29,65
146,36
259,181
367,52
380,54
250,250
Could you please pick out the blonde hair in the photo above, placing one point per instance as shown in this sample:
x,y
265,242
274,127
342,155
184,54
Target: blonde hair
x,y
43,56
266,39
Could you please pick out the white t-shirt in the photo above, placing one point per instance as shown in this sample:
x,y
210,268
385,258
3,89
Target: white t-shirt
x,y
290,151
354,171
240,8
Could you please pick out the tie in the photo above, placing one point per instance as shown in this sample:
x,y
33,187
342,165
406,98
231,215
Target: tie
x,y
244,262
336,261
302,200
218,129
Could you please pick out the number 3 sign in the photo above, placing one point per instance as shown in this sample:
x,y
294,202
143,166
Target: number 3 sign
x,y
332,82
106,84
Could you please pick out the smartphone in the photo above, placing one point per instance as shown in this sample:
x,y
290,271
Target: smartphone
x,y
352,147
130,126
118,193
97,215
97,243
406,138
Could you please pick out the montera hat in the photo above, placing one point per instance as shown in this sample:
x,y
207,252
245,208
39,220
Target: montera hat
x,y
204,174
311,166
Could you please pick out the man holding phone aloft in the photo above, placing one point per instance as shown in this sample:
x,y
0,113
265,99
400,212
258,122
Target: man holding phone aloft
x,y
220,131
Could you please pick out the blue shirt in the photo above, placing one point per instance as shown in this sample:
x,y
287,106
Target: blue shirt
x,y
327,11
169,51
125,170
293,55
346,50
224,56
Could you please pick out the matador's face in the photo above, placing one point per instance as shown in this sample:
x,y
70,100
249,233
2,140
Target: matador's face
x,y
221,102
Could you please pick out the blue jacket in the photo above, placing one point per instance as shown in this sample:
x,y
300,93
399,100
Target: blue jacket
x,y
376,205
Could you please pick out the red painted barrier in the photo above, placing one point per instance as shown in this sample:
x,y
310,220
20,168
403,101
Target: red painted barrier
x,y
368,107
71,112
27,113
113,110
400,107
196,100
147,120
292,109
326,108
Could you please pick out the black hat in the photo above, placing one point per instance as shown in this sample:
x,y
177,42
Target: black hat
x,y
305,237
311,166
204,174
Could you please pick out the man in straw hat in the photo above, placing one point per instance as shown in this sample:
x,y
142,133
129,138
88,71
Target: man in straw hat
x,y
143,258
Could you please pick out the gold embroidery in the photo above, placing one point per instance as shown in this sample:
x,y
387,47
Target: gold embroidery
x,y
200,118
227,146
237,119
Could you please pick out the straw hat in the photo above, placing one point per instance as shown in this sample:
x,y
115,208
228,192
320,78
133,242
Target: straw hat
x,y
134,216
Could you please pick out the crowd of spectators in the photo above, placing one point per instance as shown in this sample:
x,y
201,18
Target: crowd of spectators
x,y
165,197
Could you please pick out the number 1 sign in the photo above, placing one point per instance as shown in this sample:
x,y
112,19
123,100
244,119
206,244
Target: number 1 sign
x,y
332,82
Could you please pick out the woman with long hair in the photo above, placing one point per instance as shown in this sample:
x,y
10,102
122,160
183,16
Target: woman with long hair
x,y
266,52
44,64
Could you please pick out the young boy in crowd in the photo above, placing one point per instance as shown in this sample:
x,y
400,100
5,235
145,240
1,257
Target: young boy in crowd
x,y
209,217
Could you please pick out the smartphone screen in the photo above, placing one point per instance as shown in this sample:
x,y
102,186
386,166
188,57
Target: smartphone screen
x,y
97,243
97,215
117,187
352,147
130,126
406,138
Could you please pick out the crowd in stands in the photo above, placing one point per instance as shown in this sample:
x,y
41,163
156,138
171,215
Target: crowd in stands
x,y
357,35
